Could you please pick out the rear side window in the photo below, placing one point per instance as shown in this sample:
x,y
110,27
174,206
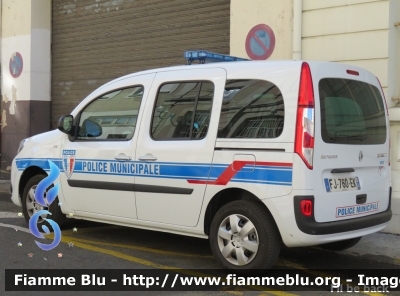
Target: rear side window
x,y
182,111
251,109
352,112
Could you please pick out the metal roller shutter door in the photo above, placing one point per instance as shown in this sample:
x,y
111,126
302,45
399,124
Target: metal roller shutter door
x,y
95,41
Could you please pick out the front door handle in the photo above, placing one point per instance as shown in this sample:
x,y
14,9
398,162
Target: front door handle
x,y
148,157
123,157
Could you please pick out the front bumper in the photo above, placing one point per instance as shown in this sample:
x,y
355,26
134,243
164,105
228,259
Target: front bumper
x,y
15,177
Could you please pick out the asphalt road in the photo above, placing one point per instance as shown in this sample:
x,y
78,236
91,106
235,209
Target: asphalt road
x,y
102,246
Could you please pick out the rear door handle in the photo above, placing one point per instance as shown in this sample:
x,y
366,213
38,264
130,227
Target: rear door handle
x,y
361,198
344,170
148,157
123,157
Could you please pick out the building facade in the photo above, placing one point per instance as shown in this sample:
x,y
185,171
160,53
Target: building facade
x,y
54,53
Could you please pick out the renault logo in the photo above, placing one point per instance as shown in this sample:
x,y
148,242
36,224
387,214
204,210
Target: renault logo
x,y
360,156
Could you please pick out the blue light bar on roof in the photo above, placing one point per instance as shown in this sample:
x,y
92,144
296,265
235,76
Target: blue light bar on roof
x,y
209,57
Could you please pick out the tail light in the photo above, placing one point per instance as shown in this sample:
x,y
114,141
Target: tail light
x,y
306,206
352,72
304,142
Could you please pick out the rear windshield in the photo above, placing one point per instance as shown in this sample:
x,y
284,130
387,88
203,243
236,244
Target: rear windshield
x,y
352,112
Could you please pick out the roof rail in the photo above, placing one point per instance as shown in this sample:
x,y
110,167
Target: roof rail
x,y
209,57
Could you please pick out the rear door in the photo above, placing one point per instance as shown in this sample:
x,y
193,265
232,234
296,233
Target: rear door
x,y
176,144
351,155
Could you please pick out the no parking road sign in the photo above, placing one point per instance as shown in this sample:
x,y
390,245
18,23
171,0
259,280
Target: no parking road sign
x,y
16,64
260,42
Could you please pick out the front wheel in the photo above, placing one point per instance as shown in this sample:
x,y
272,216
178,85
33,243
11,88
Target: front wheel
x,y
30,206
244,237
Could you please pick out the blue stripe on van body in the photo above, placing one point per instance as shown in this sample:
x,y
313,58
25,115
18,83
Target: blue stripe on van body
x,y
199,173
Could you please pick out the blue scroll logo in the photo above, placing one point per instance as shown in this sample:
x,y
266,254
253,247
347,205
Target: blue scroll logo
x,y
50,197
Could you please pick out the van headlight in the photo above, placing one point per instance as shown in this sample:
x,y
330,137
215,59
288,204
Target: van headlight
x,y
22,144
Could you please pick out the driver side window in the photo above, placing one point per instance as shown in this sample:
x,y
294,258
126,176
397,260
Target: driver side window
x,y
111,117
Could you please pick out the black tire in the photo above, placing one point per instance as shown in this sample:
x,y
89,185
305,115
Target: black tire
x,y
341,245
265,233
55,210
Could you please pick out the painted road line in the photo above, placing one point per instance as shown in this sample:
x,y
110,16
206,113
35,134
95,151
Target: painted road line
x,y
237,293
278,293
66,239
145,249
286,263
89,229
9,215
231,292
15,227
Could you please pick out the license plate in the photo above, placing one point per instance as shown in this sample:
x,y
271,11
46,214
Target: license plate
x,y
342,184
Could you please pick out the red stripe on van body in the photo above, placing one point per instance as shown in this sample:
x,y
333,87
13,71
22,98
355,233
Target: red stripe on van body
x,y
234,168
71,164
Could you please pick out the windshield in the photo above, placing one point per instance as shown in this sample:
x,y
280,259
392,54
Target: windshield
x,y
352,112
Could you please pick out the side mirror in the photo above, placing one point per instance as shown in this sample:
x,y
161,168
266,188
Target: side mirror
x,y
91,129
65,124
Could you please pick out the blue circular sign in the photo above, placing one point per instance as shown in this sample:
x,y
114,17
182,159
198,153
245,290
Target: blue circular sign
x,y
260,42
16,64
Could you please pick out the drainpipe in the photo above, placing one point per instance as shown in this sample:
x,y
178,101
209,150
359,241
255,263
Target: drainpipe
x,y
1,82
297,16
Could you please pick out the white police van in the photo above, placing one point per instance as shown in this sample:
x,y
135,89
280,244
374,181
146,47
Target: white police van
x,y
248,154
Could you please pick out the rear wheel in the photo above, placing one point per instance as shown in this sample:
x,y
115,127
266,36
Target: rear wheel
x,y
341,245
30,206
244,237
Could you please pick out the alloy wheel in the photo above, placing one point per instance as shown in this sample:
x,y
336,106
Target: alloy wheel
x,y
238,240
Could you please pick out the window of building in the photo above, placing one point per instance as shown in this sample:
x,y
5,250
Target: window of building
x,y
112,116
182,111
251,109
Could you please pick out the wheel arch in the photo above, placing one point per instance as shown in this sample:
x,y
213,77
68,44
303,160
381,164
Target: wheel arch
x,y
226,196
26,176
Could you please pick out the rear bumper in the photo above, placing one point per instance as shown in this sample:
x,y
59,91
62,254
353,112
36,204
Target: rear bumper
x,y
308,225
